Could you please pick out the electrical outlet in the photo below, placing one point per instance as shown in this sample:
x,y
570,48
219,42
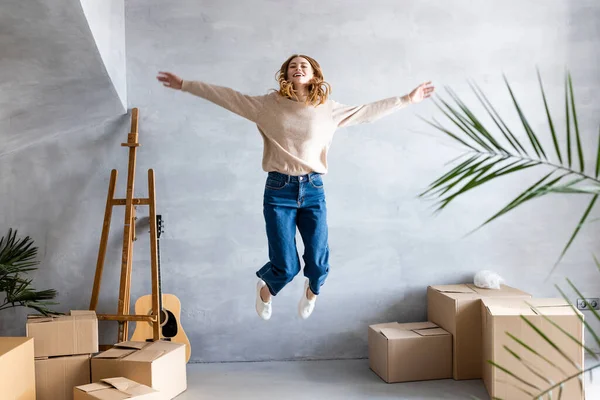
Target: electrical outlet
x,y
594,302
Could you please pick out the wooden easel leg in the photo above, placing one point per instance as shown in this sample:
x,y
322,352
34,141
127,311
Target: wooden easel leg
x,y
104,239
125,288
153,254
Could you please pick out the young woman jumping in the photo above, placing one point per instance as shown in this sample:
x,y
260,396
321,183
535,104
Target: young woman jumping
x,y
297,124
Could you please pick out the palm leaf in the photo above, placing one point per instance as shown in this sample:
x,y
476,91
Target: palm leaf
x,y
598,155
491,156
471,119
535,143
509,373
577,229
550,342
528,365
582,319
552,130
576,124
456,120
560,328
536,353
508,135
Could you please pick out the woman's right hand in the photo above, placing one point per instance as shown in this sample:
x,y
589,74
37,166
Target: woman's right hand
x,y
170,80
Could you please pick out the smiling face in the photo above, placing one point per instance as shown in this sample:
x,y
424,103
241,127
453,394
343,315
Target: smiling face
x,y
299,72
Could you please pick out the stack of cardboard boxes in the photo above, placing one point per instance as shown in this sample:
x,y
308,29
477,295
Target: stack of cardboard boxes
x,y
467,326
63,348
59,360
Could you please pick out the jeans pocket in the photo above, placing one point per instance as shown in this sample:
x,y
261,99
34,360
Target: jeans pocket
x,y
275,184
316,181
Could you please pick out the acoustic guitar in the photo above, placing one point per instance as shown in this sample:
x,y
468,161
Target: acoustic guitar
x,y
170,314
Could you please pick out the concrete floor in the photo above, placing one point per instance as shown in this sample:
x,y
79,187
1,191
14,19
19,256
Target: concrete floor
x,y
345,379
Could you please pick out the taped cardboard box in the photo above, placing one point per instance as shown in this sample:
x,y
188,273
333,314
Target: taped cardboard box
x,y
116,389
410,351
17,369
160,365
64,335
56,377
504,315
457,309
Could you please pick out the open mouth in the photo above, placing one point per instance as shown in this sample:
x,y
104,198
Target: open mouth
x,y
297,74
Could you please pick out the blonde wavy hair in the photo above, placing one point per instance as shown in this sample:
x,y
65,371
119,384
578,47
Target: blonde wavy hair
x,y
318,90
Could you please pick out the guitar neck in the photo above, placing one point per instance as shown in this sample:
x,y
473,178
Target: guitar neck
x,y
159,231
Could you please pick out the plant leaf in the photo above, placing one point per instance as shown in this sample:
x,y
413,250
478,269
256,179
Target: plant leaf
x,y
573,338
510,138
552,130
577,135
587,325
514,376
577,229
537,147
598,155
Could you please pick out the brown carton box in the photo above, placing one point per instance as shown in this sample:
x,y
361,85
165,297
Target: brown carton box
x,y
17,370
457,309
160,365
115,389
64,335
504,315
410,352
55,377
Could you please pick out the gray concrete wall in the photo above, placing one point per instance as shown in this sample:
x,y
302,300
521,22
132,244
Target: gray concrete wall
x,y
106,19
386,244
53,78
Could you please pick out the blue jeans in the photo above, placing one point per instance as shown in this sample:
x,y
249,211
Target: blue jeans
x,y
291,201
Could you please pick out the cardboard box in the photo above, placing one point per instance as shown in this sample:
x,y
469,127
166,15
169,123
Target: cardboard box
x,y
410,352
504,315
115,389
64,335
56,377
17,370
160,365
457,309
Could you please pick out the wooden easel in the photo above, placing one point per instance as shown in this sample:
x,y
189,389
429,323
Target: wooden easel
x,y
123,316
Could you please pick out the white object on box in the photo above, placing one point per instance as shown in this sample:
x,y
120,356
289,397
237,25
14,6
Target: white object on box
x,y
488,280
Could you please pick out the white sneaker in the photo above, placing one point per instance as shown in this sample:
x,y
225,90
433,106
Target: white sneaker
x,y
263,309
306,306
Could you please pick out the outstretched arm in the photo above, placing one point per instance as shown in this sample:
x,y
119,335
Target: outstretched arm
x,y
351,115
246,106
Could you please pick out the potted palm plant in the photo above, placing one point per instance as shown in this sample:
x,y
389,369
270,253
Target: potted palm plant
x,y
17,258
492,154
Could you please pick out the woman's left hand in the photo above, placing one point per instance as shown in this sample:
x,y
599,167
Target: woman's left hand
x,y
422,92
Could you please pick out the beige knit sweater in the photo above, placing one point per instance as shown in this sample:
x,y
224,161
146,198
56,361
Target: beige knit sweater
x,y
296,136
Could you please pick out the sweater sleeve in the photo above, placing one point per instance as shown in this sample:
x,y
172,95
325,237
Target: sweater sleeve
x,y
241,104
344,115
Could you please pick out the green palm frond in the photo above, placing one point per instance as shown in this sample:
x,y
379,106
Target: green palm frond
x,y
17,257
491,155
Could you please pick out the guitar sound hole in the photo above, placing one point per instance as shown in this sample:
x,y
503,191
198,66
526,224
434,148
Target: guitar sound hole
x,y
168,323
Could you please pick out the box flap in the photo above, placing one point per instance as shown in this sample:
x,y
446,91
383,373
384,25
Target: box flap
x,y
395,333
120,383
431,332
551,306
34,319
411,326
115,353
93,387
132,345
83,314
460,288
146,355
504,291
547,302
